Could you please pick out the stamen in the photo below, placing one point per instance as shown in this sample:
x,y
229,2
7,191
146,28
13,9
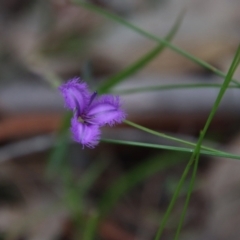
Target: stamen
x,y
81,120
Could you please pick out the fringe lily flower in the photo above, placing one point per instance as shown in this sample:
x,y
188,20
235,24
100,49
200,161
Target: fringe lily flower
x,y
90,111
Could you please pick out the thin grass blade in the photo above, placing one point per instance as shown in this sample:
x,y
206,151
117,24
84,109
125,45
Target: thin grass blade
x,y
172,148
196,153
127,24
139,64
163,135
168,87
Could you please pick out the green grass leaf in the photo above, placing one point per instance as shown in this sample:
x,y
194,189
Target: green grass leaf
x,y
136,29
168,87
139,64
213,152
196,154
163,135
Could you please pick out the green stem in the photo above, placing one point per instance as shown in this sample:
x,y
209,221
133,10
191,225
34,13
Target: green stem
x,y
173,201
196,152
167,136
169,87
122,21
191,186
166,147
141,62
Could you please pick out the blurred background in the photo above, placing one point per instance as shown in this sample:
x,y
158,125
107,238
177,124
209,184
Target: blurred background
x,y
51,188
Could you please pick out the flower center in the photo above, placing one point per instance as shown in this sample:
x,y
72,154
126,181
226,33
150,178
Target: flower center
x,y
81,120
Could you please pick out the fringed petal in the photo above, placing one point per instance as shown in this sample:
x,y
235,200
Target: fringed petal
x,y
76,95
87,135
105,110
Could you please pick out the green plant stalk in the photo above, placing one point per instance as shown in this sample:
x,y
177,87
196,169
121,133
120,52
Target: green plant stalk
x,y
196,153
171,148
167,136
173,201
191,186
168,87
90,226
122,21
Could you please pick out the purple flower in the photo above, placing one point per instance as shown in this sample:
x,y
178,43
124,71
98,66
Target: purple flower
x,y
90,111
